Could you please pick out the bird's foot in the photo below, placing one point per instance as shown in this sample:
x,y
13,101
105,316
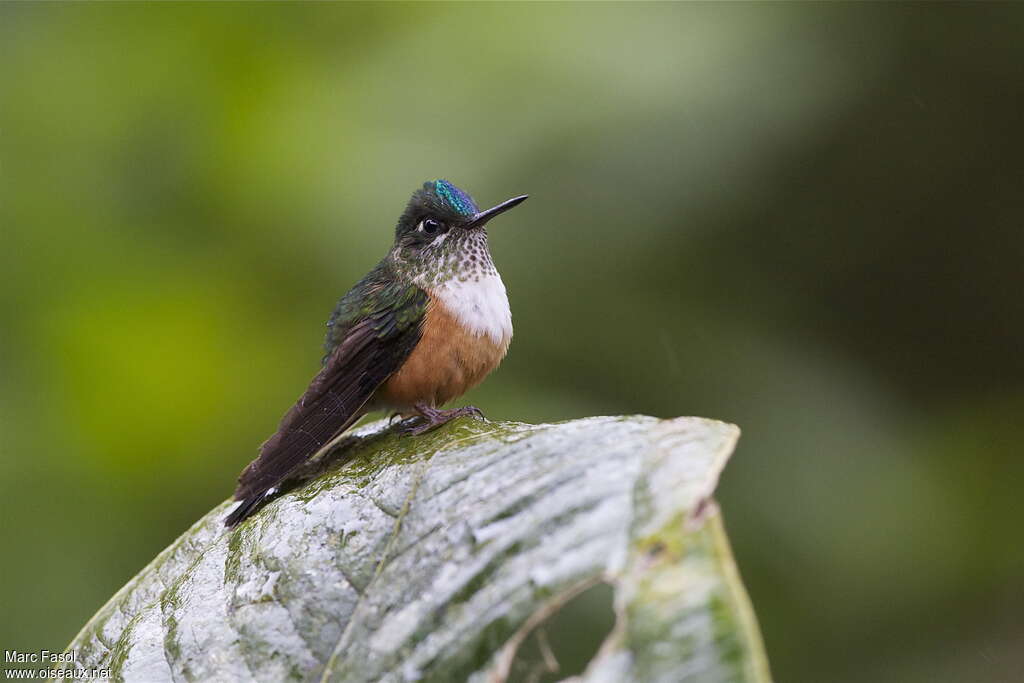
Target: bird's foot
x,y
433,417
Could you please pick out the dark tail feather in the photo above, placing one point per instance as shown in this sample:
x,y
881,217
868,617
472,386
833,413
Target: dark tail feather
x,y
244,509
370,353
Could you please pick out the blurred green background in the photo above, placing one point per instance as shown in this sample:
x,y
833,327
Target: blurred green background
x,y
805,219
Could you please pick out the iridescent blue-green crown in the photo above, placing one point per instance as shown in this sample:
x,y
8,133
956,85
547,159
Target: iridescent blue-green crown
x,y
437,198
455,198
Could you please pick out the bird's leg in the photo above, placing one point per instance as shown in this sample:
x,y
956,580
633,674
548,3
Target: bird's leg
x,y
435,417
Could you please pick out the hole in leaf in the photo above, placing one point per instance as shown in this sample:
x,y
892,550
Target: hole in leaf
x,y
562,645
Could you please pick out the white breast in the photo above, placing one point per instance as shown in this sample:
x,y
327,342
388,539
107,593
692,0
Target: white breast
x,y
481,305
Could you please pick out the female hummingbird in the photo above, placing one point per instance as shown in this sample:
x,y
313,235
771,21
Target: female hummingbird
x,y
428,323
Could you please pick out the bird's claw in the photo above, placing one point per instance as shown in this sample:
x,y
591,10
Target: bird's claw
x,y
431,418
414,426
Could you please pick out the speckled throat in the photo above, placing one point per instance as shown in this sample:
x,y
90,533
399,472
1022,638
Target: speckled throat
x,y
458,274
458,255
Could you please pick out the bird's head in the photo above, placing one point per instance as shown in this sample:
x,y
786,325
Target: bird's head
x,y
442,227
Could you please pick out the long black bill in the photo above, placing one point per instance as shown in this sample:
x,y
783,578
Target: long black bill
x,y
480,219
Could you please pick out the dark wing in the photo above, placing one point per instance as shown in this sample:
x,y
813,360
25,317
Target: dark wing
x,y
380,331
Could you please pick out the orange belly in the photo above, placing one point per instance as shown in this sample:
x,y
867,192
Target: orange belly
x,y
447,362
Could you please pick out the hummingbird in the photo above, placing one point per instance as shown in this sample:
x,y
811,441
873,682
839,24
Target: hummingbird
x,y
427,324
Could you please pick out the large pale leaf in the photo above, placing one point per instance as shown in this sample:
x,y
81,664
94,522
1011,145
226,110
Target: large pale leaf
x,y
451,556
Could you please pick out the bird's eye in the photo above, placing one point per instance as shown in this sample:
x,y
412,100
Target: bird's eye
x,y
431,226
